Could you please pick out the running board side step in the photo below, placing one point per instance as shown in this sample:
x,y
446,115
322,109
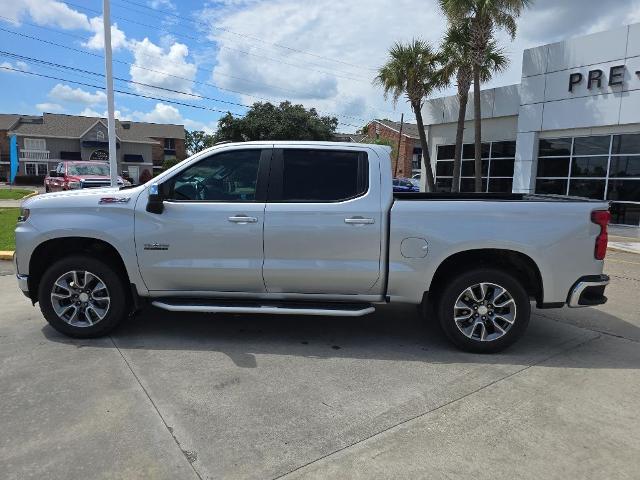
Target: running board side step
x,y
333,310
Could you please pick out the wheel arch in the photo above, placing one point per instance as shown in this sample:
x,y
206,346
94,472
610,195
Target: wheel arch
x,y
518,264
57,248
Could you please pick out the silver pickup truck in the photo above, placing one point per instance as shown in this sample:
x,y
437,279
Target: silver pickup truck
x,y
307,228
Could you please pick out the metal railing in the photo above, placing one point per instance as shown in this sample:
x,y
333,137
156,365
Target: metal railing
x,y
34,154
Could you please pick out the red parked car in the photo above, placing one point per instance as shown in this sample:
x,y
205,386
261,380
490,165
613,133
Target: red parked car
x,y
76,174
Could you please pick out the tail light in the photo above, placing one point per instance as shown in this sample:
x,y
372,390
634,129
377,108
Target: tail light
x,y
601,217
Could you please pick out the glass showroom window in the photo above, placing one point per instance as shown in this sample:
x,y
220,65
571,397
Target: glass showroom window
x,y
497,167
600,167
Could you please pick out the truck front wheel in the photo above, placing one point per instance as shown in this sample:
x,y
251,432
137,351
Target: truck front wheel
x,y
484,310
82,297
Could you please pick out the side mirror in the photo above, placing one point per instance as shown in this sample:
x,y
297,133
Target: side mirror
x,y
156,200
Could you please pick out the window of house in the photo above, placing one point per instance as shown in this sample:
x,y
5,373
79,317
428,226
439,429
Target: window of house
x,y
169,144
36,168
38,144
131,157
323,175
223,177
70,156
100,136
498,160
604,167
416,159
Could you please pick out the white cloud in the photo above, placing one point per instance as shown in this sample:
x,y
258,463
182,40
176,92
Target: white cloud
x,y
96,42
162,4
89,112
355,33
163,113
66,94
360,32
19,65
50,107
209,128
150,59
44,12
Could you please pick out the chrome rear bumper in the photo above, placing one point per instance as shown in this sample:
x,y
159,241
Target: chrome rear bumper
x,y
588,291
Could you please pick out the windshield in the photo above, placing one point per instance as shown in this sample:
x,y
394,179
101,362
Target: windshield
x,y
98,169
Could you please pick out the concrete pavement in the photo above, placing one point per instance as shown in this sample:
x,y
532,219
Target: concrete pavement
x,y
197,396
10,203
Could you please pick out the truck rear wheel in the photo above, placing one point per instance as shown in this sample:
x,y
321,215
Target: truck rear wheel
x,y
82,297
484,310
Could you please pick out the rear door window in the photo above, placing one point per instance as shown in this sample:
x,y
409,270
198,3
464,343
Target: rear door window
x,y
320,175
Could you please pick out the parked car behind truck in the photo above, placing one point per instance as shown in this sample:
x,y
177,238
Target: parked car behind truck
x,y
74,175
307,228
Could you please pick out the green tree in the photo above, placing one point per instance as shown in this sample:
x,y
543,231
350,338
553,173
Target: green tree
x,y
265,121
411,70
197,140
484,18
456,50
383,141
170,162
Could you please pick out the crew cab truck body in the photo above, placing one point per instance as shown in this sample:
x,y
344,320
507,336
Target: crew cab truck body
x,y
307,228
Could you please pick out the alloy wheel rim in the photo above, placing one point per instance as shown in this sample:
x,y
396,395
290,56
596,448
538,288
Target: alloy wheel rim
x,y
484,312
80,298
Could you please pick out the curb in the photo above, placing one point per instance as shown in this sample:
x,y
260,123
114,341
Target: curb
x,y
6,255
623,249
32,194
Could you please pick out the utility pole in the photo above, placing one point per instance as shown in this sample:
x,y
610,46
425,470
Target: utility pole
x,y
108,67
395,170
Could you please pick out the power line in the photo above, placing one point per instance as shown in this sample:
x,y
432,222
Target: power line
x,y
349,75
124,92
246,35
133,82
96,55
86,39
200,39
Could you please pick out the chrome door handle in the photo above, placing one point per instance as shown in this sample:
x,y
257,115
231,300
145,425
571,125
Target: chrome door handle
x,y
243,219
359,221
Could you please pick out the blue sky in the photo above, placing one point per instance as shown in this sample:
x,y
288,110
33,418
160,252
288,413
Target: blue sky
x,y
320,53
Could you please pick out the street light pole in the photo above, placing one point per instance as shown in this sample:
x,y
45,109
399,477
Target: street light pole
x,y
108,66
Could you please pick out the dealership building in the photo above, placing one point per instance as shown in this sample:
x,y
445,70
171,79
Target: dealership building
x,y
571,127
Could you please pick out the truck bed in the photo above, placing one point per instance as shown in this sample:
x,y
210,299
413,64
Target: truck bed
x,y
502,197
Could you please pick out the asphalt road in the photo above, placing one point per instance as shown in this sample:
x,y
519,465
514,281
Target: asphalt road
x,y
196,396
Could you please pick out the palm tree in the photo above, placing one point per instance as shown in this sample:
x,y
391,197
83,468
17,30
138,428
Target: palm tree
x,y
456,52
484,17
411,70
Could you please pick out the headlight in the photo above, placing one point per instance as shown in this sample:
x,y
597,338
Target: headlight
x,y
24,214
73,185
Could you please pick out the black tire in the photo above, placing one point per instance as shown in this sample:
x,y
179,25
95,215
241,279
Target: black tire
x,y
457,285
115,284
46,189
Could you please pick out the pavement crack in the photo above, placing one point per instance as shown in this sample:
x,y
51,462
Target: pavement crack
x,y
439,407
189,455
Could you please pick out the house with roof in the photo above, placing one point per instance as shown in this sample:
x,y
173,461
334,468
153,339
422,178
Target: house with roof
x,y
410,151
44,141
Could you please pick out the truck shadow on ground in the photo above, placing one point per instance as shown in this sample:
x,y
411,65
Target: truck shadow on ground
x,y
394,333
